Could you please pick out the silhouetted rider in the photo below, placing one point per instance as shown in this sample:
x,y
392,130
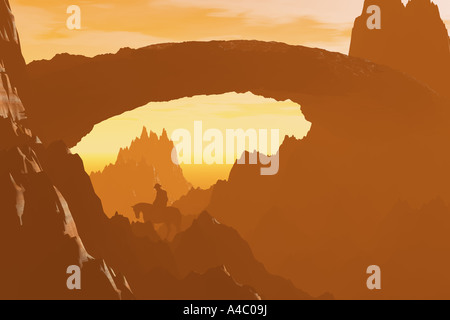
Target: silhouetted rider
x,y
161,199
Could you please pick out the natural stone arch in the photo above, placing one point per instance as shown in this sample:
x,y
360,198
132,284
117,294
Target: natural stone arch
x,y
68,95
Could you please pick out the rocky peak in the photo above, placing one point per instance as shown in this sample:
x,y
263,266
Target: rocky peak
x,y
144,134
412,39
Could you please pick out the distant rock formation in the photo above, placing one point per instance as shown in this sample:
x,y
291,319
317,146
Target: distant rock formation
x,y
412,39
131,179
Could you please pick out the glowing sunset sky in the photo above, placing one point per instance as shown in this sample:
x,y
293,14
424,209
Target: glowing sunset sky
x,y
227,111
111,24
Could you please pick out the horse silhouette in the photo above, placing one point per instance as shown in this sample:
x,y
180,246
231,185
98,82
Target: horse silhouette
x,y
170,216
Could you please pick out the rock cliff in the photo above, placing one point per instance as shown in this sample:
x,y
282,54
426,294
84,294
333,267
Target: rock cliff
x,y
39,239
412,39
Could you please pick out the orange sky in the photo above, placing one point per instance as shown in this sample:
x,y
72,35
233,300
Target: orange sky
x,y
111,24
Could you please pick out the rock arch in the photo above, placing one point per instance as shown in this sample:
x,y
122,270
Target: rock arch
x,y
351,97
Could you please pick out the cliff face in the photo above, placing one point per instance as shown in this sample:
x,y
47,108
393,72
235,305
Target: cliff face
x,y
38,236
138,168
412,39
12,66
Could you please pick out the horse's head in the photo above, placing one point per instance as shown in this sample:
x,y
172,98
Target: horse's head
x,y
137,212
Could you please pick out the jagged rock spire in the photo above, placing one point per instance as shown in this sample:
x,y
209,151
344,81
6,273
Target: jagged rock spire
x,y
144,134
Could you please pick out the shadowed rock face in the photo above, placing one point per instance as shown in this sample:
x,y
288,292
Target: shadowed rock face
x,y
193,247
39,239
412,39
